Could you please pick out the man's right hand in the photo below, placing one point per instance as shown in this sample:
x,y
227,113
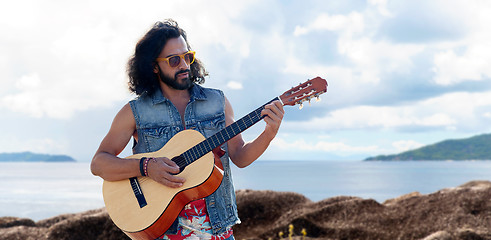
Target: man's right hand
x,y
162,170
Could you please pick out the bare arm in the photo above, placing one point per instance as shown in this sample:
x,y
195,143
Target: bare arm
x,y
105,163
243,154
108,166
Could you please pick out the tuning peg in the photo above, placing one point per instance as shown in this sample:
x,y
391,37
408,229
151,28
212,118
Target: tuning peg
x,y
318,98
300,106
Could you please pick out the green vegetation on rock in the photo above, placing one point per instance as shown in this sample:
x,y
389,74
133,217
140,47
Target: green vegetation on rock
x,y
473,148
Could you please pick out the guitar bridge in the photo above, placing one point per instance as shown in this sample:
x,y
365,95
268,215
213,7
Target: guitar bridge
x,y
135,185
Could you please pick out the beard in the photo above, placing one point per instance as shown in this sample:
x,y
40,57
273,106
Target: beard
x,y
174,83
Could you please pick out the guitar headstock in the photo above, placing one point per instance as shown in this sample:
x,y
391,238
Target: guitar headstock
x,y
312,88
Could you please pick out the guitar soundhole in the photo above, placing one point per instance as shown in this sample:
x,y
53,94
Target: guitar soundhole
x,y
181,162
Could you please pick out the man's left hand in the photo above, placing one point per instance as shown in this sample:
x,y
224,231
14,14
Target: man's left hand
x,y
273,115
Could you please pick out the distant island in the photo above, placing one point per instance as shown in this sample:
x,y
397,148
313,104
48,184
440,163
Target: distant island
x,y
473,148
34,157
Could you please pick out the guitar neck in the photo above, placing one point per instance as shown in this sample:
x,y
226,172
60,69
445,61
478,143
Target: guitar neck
x,y
222,136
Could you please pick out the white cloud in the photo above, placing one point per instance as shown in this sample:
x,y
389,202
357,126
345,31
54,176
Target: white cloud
x,y
60,58
453,111
295,66
60,96
467,58
457,60
381,7
369,58
321,146
75,55
55,67
380,117
406,145
377,58
473,65
234,85
351,23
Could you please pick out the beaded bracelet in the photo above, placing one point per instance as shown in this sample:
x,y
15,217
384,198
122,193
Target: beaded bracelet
x,y
142,170
145,165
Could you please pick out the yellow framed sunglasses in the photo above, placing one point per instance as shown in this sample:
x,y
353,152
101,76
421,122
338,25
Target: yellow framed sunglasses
x,y
175,60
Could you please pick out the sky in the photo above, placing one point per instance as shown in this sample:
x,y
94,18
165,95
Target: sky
x,y
401,74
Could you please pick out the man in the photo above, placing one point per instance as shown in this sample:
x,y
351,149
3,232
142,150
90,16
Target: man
x,y
164,74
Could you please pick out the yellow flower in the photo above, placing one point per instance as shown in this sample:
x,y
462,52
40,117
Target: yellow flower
x,y
290,231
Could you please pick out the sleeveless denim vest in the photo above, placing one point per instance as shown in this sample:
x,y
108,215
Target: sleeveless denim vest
x,y
158,120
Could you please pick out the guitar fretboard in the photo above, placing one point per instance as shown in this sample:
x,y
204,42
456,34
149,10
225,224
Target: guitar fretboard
x,y
221,137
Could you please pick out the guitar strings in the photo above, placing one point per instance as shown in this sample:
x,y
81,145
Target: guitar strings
x,y
205,146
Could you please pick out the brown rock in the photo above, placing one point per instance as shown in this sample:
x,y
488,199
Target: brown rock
x,y
23,233
440,235
462,212
54,220
6,222
93,225
258,210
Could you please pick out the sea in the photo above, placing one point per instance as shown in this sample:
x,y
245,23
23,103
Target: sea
x,y
42,190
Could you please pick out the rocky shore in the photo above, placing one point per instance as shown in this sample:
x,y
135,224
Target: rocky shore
x,y
462,212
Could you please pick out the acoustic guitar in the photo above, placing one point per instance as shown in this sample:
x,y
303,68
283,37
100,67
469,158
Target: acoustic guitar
x,y
144,209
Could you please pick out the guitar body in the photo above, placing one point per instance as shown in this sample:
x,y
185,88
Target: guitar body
x,y
163,203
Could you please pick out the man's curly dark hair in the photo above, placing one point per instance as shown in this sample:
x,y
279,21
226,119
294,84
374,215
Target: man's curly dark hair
x,y
142,79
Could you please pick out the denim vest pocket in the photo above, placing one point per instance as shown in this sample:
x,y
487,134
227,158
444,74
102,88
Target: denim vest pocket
x,y
211,125
155,138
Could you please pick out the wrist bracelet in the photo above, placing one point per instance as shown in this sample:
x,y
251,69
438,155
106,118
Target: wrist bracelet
x,y
145,166
142,170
